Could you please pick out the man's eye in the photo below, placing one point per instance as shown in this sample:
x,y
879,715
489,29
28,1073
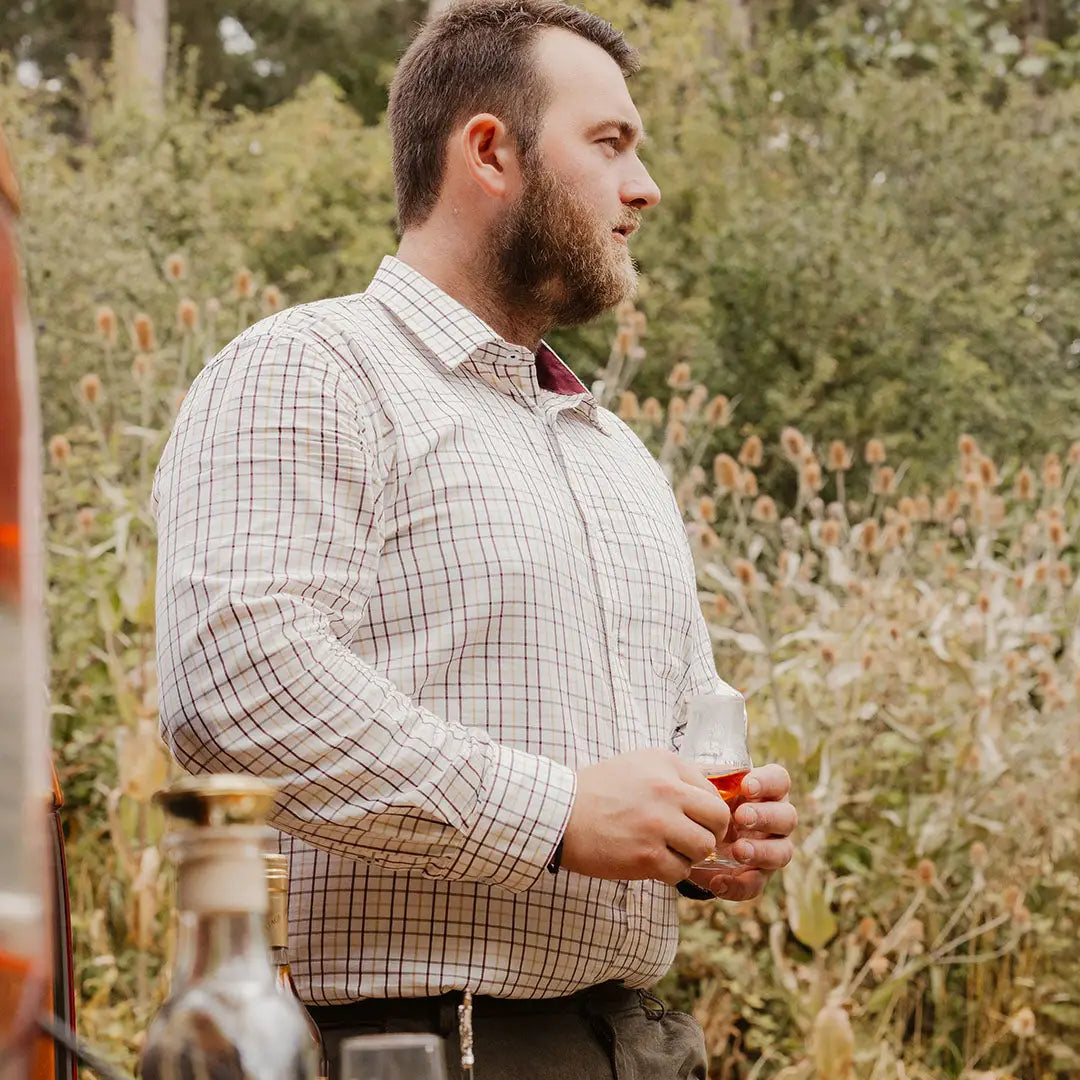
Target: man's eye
x,y
613,142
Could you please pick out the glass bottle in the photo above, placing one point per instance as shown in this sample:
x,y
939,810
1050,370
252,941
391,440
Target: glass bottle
x,y
277,930
224,1017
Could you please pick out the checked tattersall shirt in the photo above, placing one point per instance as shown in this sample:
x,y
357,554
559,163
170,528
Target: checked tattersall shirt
x,y
415,573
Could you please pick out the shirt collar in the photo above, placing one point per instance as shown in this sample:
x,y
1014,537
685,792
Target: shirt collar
x,y
454,334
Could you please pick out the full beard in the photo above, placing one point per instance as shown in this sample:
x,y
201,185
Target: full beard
x,y
551,255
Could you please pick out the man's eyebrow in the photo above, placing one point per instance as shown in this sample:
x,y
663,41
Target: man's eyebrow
x,y
627,131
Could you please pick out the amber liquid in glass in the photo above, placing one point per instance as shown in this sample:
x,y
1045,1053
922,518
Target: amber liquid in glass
x,y
729,785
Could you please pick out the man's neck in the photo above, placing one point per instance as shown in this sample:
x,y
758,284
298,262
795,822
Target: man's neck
x,y
459,276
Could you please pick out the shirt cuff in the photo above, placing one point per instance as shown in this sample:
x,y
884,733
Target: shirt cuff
x,y
523,811
692,891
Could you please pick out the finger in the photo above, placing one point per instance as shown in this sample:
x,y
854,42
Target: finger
x,y
767,819
740,886
770,783
671,868
694,775
687,838
764,854
707,809
730,884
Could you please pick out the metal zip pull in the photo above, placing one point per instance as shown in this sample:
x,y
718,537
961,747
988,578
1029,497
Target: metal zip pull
x,y
465,1035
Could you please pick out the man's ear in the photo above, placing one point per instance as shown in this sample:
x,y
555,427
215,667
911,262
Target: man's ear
x,y
490,156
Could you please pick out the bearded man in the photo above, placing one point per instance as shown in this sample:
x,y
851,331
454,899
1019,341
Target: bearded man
x,y
413,572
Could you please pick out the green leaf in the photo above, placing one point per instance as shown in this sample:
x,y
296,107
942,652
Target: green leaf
x,y
1062,1012
809,914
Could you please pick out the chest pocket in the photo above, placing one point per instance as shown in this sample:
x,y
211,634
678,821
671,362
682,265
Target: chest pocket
x,y
646,566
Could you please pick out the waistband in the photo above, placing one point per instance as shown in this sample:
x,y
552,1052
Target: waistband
x,y
607,997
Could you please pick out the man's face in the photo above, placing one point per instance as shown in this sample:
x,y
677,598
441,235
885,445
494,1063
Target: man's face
x,y
563,244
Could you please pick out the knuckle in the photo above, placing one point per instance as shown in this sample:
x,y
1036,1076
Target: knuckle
x,y
675,870
653,859
667,786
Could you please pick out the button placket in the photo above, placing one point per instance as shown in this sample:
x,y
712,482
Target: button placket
x,y
598,548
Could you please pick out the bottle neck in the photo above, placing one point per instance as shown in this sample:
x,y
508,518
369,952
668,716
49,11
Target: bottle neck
x,y
227,943
221,898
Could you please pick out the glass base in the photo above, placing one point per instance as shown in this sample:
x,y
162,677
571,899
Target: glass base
x,y
716,861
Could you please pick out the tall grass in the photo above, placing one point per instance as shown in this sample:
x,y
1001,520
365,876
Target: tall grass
x,y
911,656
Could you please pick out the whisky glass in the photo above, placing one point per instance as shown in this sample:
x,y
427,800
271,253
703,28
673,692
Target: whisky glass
x,y
715,740
400,1056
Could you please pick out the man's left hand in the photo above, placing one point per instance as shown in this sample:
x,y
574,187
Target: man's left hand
x,y
765,820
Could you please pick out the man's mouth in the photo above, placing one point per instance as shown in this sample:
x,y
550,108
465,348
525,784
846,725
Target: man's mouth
x,y
624,232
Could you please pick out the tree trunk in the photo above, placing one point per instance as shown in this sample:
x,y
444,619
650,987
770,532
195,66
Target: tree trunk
x,y
150,21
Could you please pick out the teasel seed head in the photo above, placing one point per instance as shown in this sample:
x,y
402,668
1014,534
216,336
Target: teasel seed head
x,y
752,453
105,321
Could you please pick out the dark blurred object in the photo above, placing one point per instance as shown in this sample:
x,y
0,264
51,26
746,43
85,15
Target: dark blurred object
x,y
35,965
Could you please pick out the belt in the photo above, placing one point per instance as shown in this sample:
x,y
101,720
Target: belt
x,y
440,1012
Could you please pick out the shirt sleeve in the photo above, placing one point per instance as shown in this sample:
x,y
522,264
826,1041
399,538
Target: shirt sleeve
x,y
270,504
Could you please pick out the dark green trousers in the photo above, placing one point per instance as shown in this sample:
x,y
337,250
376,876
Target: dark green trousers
x,y
607,1032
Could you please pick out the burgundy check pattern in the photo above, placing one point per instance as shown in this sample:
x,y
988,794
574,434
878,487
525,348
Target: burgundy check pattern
x,y
416,575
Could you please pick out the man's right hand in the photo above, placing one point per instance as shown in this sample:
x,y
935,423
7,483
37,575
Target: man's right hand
x,y
647,814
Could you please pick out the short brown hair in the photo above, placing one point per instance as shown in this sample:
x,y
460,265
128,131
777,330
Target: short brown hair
x,y
474,58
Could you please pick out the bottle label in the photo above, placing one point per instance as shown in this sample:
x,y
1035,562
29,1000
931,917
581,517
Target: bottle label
x,y
277,921
232,884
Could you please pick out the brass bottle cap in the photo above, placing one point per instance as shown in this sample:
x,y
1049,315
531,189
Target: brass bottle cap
x,y
223,799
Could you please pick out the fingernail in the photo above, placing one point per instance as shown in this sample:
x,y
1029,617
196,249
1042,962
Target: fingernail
x,y
753,787
722,889
744,852
749,818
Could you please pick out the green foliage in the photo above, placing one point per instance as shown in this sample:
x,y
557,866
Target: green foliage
x,y
860,249
864,254
355,44
967,44
301,192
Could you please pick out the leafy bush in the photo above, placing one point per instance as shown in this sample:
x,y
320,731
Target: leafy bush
x,y
859,254
915,663
301,191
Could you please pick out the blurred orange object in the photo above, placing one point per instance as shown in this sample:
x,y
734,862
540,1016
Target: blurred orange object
x,y
35,945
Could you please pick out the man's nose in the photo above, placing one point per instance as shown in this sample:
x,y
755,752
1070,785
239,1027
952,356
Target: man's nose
x,y
640,190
